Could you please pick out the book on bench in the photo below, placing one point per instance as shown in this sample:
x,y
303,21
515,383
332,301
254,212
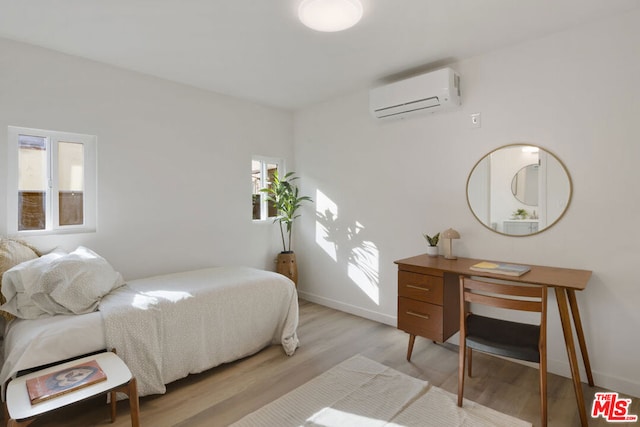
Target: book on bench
x,y
500,268
54,384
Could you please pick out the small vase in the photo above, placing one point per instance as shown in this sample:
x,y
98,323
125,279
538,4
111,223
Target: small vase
x,y
287,266
432,250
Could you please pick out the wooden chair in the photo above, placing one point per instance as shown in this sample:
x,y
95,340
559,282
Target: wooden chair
x,y
502,337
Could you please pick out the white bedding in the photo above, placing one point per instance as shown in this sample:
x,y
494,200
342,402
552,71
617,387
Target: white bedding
x,y
169,326
185,323
31,343
58,283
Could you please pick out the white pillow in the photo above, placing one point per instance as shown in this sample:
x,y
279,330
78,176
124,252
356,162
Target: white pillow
x,y
18,302
59,283
12,253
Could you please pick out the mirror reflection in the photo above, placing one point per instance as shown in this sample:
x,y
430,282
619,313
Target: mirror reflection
x,y
524,185
519,190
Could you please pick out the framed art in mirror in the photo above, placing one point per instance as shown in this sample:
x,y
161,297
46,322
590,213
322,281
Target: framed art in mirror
x,y
519,190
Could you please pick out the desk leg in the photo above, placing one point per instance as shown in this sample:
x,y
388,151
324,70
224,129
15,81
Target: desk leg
x,y
573,303
563,308
412,340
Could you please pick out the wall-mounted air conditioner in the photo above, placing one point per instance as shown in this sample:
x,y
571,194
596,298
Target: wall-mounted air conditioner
x,y
435,91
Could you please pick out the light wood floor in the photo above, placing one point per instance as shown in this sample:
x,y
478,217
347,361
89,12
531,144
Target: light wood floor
x,y
224,394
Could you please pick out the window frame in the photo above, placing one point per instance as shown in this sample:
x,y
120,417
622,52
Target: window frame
x,y
264,161
90,178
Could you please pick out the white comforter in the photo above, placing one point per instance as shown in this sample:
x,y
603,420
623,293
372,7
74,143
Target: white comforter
x,y
167,327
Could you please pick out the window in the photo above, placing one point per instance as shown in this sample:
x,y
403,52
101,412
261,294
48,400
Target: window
x,y
52,182
262,170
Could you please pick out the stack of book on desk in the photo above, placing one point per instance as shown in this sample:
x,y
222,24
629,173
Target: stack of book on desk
x,y
500,268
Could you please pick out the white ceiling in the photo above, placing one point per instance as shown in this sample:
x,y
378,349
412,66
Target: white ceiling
x,y
258,50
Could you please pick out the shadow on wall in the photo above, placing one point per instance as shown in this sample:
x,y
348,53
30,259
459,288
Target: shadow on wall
x,y
345,242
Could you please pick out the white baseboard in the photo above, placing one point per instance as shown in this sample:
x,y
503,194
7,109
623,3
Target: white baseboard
x,y
601,379
555,366
348,308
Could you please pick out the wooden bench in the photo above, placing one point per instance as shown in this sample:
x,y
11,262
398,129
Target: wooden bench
x,y
20,412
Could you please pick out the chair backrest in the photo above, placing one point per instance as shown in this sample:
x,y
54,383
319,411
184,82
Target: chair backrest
x,y
503,295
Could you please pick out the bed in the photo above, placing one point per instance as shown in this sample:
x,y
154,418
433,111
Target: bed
x,y
164,327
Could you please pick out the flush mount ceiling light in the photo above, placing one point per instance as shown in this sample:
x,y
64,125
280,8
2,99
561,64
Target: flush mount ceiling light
x,y
330,15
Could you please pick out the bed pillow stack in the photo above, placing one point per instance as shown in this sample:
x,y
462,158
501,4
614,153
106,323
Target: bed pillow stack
x,y
12,253
59,283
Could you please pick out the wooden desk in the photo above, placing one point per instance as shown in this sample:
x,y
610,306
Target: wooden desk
x,y
428,303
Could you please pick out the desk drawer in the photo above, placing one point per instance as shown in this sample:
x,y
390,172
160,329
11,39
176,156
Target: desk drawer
x,y
421,287
420,318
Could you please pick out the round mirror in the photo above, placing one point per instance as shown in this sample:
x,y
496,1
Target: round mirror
x,y
519,190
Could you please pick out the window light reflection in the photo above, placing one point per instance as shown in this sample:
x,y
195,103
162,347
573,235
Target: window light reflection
x,y
172,296
346,244
143,302
364,264
326,220
327,417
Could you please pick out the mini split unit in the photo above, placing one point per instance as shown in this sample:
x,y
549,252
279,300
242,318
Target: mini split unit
x,y
435,91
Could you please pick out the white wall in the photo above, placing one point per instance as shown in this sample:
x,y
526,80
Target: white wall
x,y
174,189
575,94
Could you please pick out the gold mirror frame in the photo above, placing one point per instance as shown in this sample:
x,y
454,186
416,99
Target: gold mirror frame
x,y
503,162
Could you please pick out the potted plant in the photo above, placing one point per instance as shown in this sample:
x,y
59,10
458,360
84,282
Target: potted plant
x,y
432,249
284,195
520,214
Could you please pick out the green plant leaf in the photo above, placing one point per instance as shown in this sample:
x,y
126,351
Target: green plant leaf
x,y
433,241
285,197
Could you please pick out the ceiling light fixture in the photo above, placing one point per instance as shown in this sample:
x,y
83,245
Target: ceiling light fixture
x,y
330,15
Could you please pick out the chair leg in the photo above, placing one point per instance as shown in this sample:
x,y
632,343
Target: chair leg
x,y
461,356
469,358
543,390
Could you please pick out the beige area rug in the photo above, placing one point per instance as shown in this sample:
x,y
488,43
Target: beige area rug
x,y
361,392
